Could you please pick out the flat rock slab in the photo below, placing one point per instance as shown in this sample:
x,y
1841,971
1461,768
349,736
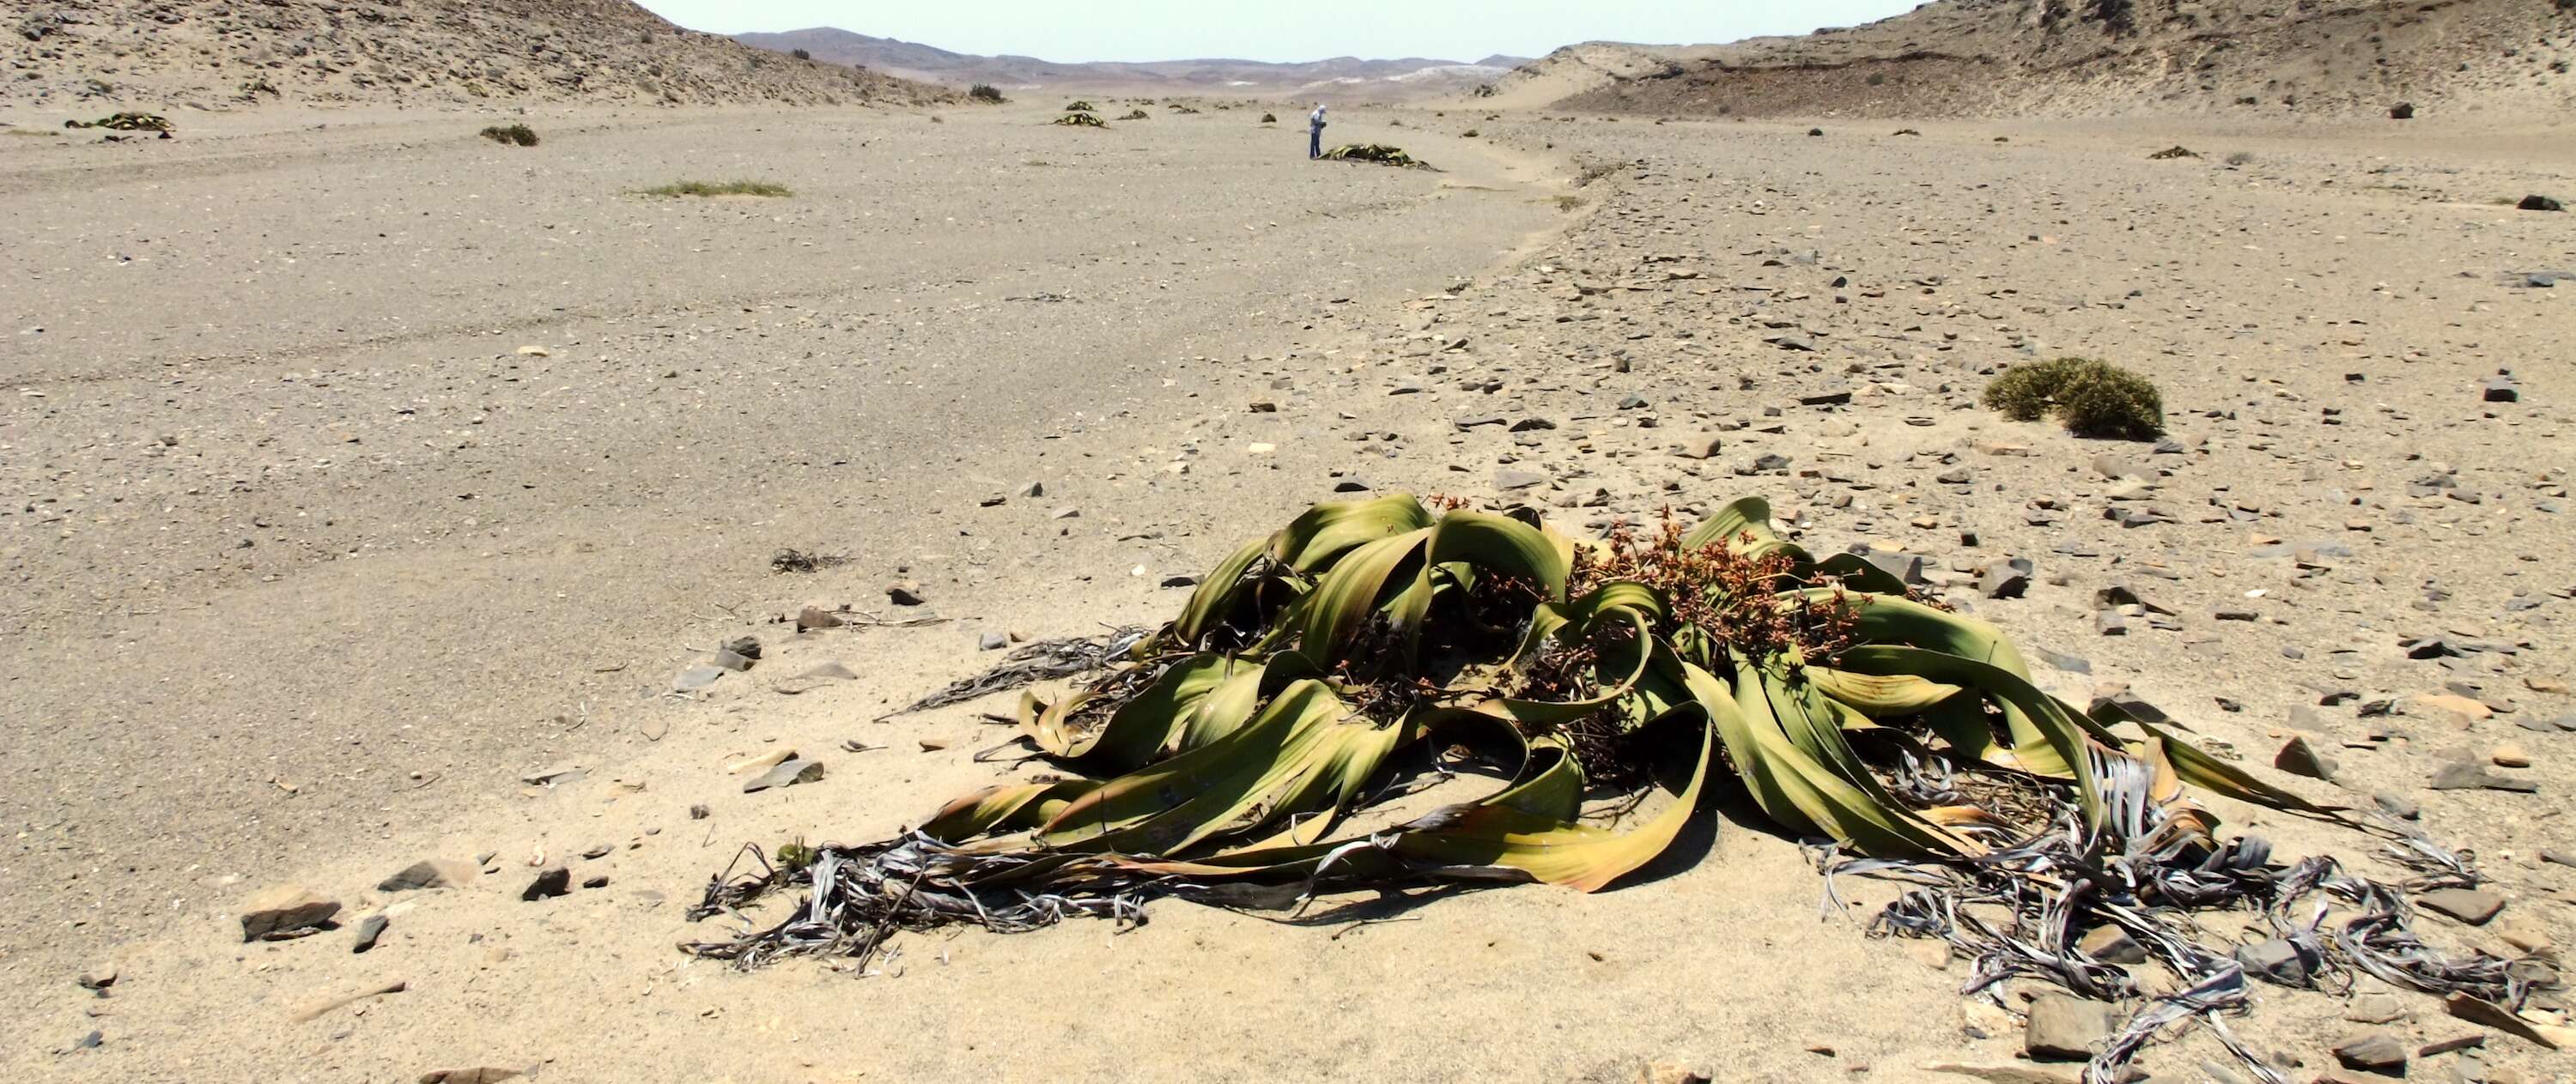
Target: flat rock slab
x,y
2063,1028
787,774
2464,904
429,873
285,909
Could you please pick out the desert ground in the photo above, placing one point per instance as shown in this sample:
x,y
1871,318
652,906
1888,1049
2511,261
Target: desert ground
x,y
372,484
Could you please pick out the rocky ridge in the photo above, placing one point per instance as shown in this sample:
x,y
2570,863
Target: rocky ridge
x,y
95,56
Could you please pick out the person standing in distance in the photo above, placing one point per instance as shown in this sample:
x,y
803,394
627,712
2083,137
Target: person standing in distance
x,y
1315,132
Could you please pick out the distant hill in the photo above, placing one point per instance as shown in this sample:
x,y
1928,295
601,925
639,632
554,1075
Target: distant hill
x,y
2097,57
1407,77
100,55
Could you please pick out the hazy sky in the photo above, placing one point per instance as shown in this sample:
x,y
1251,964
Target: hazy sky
x,y
1081,30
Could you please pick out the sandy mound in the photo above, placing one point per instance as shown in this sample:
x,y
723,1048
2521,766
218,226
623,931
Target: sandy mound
x,y
2099,57
97,55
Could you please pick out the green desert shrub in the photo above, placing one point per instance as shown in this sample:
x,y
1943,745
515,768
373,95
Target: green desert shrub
x,y
719,188
517,135
2090,398
987,92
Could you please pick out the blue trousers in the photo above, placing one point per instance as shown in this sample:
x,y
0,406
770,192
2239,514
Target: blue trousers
x,y
1314,142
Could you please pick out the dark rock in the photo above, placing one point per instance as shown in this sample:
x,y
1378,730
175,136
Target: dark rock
x,y
2539,203
815,617
2279,962
285,909
2398,806
2297,757
2008,579
992,641
369,930
746,647
1830,398
730,661
552,881
2374,1051
2501,389
428,873
904,593
2402,111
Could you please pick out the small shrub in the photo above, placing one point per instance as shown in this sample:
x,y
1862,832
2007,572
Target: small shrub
x,y
1137,114
1468,134
2175,151
1270,118
1078,106
1080,120
720,188
1878,79
1568,201
987,93
517,135
800,54
2090,398
2241,158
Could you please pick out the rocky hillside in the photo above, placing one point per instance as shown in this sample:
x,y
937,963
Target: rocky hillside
x,y
97,55
2101,57
1346,76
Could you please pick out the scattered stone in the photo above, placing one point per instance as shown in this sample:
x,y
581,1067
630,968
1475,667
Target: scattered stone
x,y
2374,1051
1665,1072
98,979
2297,757
428,873
2069,663
1518,479
788,774
2277,961
2502,389
2375,1009
1030,489
2539,203
2065,1028
1702,446
369,929
992,641
2469,905
285,910
904,593
484,1075
2007,579
730,662
698,677
2398,806
2111,945
815,617
556,776
550,882
2510,755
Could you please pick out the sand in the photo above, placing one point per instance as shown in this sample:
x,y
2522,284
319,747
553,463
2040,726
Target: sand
x,y
316,562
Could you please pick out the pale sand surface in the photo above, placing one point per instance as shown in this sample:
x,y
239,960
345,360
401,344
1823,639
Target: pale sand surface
x,y
504,568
